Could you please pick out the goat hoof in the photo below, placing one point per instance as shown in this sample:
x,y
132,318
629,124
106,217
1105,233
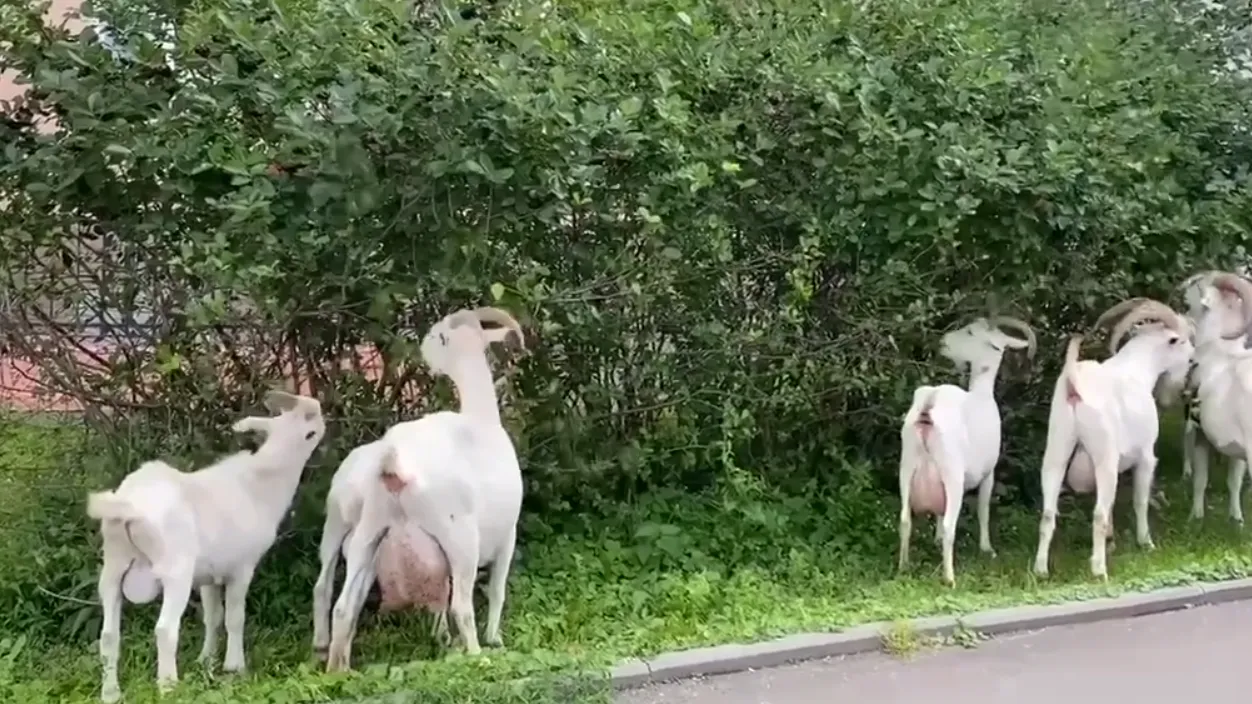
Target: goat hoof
x,y
493,642
111,695
320,652
166,686
235,668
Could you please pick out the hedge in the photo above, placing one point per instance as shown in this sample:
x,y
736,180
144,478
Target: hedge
x,y
735,229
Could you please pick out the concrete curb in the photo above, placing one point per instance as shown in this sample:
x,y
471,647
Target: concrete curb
x,y
736,657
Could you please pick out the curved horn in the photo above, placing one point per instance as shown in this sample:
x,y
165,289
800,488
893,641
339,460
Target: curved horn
x,y
1019,325
278,401
502,318
1145,309
1232,283
1117,311
1191,280
463,317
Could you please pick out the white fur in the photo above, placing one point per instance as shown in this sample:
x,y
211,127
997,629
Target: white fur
x,y
355,478
455,474
961,443
1221,381
168,531
1112,428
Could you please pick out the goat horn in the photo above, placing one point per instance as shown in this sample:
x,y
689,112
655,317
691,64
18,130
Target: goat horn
x,y
1144,309
463,317
1020,326
1191,280
1117,311
501,317
1239,286
280,401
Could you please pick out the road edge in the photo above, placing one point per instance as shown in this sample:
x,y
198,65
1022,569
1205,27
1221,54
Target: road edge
x,y
737,657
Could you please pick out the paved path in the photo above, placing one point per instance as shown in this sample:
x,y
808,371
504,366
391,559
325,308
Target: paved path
x,y
1202,654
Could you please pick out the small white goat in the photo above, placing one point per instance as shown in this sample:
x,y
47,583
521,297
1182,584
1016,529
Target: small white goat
x,y
1219,410
1103,420
167,531
455,475
950,439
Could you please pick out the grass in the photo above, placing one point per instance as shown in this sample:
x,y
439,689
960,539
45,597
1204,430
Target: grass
x,y
671,571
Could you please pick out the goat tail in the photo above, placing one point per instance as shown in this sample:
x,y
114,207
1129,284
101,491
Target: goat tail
x,y
1069,370
107,505
391,470
923,399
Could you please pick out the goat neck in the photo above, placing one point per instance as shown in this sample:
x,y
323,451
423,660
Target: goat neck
x,y
982,377
475,388
274,471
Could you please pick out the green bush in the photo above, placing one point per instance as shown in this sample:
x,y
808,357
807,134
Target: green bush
x,y
734,228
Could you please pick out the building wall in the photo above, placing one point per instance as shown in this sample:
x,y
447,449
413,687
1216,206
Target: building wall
x,y
58,13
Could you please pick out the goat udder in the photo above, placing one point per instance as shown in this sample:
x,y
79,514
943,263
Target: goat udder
x,y
140,585
1081,473
412,571
926,491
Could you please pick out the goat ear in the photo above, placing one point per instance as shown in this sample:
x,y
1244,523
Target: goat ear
x,y
251,424
280,401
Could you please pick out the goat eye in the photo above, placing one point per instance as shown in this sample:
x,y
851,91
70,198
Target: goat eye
x,y
442,340
1173,340
310,435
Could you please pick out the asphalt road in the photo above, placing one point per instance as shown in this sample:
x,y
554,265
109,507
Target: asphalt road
x,y
1196,653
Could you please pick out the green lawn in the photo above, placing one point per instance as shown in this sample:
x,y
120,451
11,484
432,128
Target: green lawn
x,y
670,572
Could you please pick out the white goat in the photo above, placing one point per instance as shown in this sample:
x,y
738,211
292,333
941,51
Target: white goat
x,y
455,475
411,568
167,531
1219,410
1103,420
950,440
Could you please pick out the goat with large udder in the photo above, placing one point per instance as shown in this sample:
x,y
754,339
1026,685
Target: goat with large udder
x,y
453,475
167,531
950,440
1219,410
1103,420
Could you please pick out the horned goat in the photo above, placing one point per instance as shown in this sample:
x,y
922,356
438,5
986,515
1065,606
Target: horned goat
x,y
1103,420
950,440
1218,418
412,571
454,475
166,531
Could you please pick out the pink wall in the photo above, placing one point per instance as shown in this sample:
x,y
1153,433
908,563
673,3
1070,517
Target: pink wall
x,y
20,386
57,14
